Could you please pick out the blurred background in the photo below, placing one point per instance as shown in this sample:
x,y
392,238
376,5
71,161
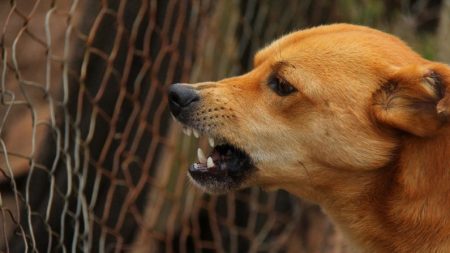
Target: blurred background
x,y
90,160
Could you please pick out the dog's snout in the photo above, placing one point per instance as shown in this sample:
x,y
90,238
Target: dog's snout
x,y
181,97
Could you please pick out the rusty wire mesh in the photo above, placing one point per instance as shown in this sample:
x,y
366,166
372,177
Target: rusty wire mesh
x,y
89,158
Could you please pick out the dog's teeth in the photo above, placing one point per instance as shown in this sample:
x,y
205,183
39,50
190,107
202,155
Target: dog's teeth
x,y
201,156
211,142
187,131
210,163
173,117
196,133
197,166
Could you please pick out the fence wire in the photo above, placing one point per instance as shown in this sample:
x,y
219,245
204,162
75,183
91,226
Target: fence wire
x,y
90,160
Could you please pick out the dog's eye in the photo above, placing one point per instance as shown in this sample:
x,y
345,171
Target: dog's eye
x,y
280,86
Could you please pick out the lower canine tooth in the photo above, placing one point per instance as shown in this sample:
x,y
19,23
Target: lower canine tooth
x,y
209,163
201,156
211,142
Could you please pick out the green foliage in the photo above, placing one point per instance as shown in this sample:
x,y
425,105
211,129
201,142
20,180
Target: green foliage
x,y
367,12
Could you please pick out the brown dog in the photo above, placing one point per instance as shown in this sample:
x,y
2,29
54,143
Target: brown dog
x,y
343,115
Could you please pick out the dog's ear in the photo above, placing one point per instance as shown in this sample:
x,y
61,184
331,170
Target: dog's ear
x,y
415,99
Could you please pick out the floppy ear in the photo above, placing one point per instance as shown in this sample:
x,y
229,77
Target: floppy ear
x,y
415,99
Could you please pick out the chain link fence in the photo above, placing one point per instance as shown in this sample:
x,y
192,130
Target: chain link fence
x,y
90,160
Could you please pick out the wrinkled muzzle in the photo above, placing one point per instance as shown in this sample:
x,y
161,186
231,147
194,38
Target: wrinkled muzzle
x,y
226,167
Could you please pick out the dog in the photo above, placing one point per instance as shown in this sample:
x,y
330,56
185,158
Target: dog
x,y
345,116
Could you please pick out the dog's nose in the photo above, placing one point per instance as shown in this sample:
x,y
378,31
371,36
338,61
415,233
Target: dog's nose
x,y
181,97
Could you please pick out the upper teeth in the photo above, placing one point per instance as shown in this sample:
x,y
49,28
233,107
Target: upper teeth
x,y
211,142
188,131
196,133
201,156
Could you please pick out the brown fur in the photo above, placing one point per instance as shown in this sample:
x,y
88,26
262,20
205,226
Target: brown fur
x,y
366,136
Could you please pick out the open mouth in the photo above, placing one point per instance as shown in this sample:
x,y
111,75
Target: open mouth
x,y
223,169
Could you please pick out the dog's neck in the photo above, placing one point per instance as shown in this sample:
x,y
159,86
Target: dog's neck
x,y
403,207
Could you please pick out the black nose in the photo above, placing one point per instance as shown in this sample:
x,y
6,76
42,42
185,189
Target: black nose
x,y
181,97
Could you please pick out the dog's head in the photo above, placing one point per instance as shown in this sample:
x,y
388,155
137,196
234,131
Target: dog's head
x,y
331,98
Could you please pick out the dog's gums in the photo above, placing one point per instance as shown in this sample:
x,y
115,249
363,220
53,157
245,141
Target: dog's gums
x,y
223,169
